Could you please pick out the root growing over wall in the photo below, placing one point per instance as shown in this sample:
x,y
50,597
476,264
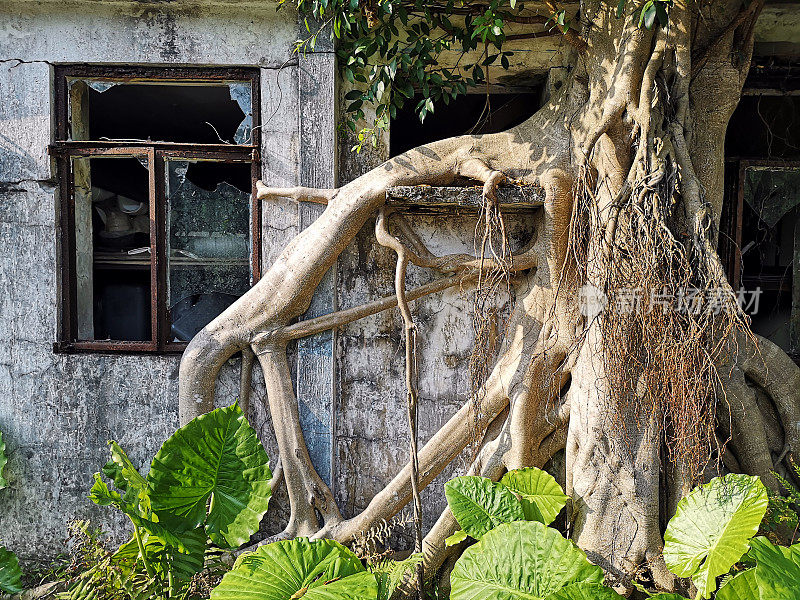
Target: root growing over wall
x,y
645,403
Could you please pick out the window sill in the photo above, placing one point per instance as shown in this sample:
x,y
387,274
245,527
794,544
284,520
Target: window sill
x,y
119,347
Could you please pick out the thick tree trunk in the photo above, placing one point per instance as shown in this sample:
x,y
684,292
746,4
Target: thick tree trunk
x,y
630,158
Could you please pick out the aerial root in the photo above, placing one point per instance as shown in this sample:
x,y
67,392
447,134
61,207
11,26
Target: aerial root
x,y
245,381
298,194
308,494
777,374
748,431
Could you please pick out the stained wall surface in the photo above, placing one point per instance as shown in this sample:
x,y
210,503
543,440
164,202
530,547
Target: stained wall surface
x,y
58,410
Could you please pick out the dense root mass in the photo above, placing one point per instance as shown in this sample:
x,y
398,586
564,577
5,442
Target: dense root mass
x,y
645,400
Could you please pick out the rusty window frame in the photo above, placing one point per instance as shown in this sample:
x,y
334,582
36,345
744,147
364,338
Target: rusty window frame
x,y
64,150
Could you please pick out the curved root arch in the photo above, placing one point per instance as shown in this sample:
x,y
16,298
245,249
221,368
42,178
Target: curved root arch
x,y
632,201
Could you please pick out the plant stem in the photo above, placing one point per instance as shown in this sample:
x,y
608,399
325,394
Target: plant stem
x,y
147,566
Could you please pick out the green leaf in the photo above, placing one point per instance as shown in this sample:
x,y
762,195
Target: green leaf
x,y
777,569
102,496
711,529
458,537
10,573
620,8
217,461
313,570
523,560
741,587
126,478
541,496
3,461
479,504
649,15
585,591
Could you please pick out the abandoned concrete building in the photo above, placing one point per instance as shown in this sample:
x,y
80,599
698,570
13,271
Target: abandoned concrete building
x,y
131,137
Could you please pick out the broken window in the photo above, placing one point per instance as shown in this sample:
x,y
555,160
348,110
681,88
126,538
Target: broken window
x,y
159,223
760,226
769,255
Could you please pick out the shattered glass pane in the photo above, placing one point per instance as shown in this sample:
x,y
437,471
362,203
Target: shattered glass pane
x,y
161,111
208,241
242,94
772,192
101,86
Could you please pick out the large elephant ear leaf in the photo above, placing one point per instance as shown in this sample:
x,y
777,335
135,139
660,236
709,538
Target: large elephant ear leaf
x,y
777,572
3,461
313,570
743,586
524,560
585,591
10,573
213,471
479,504
712,527
541,496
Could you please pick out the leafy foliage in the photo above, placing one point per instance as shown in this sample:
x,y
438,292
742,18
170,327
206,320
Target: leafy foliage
x,y
209,480
777,571
711,529
313,570
390,50
167,558
524,559
743,586
10,573
479,504
782,521
97,572
213,471
585,591
390,573
710,533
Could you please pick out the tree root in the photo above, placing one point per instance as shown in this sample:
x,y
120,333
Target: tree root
x,y
631,194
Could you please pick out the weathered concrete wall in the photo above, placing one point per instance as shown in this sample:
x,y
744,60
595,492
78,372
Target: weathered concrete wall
x,y
57,411
372,435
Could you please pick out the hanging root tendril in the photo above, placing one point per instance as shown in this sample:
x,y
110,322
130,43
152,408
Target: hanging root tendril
x,y
493,285
656,273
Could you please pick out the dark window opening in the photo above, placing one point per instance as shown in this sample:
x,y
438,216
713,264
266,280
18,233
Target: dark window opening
x,y
112,243
468,114
187,113
765,127
760,234
158,220
770,245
